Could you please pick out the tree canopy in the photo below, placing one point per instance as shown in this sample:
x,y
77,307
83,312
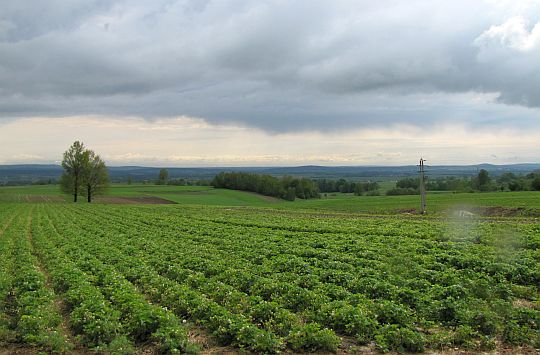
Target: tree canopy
x,y
73,164
163,177
287,188
95,175
85,172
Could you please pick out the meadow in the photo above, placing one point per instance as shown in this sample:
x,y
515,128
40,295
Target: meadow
x,y
525,203
232,271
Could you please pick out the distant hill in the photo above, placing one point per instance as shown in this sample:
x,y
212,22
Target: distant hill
x,y
42,172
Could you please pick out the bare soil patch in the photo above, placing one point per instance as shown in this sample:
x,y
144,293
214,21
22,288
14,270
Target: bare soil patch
x,y
407,211
152,200
209,344
498,211
524,303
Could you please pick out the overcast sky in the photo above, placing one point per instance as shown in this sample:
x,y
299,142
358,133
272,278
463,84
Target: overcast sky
x,y
230,82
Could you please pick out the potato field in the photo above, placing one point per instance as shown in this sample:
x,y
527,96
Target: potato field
x,y
187,279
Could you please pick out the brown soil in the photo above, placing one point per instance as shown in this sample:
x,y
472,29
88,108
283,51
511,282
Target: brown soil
x,y
524,303
208,343
498,211
152,200
501,350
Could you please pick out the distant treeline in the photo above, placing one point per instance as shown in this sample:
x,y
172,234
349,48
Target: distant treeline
x,y
480,183
342,185
287,187
28,182
188,182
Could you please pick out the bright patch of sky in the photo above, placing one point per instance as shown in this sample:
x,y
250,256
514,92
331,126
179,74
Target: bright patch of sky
x,y
271,82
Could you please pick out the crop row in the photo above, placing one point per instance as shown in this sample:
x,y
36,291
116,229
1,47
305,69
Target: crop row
x,y
115,278
105,309
219,308
31,316
354,283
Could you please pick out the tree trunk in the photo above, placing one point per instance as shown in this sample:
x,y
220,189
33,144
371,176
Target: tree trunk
x,y
89,193
75,189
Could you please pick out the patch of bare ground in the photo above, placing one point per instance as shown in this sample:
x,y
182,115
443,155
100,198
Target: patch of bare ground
x,y
152,200
500,211
209,344
501,350
525,303
344,349
407,211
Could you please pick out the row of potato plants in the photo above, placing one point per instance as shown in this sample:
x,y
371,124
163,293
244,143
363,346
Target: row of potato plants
x,y
483,328
227,320
30,314
471,297
6,275
269,309
133,321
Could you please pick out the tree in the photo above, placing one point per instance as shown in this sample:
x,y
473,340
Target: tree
x,y
163,177
483,180
73,164
95,177
535,184
129,180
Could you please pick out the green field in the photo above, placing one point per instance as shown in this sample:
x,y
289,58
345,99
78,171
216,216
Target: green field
x,y
233,271
528,202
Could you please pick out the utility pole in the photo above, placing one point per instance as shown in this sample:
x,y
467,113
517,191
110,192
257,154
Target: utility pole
x,y
422,188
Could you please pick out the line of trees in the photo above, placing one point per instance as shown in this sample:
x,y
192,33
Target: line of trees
x,y
287,187
482,182
85,173
344,186
165,179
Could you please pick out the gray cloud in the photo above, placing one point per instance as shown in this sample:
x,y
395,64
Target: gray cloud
x,y
310,65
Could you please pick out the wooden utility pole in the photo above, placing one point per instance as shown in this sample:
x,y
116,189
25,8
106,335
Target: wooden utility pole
x,y
422,188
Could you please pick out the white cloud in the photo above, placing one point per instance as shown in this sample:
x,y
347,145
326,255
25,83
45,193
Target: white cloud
x,y
514,33
182,142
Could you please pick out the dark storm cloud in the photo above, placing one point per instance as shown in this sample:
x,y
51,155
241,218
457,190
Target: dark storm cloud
x,y
310,65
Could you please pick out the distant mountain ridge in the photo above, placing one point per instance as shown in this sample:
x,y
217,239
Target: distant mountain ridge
x,y
37,172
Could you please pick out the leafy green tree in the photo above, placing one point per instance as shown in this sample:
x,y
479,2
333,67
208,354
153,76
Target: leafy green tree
x,y
483,180
290,195
163,177
73,164
359,189
95,177
535,184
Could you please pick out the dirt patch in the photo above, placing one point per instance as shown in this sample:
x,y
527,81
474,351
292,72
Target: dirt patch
x,y
209,344
407,211
524,303
17,350
498,211
151,200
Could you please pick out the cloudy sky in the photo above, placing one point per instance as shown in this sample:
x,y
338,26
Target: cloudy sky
x,y
231,82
